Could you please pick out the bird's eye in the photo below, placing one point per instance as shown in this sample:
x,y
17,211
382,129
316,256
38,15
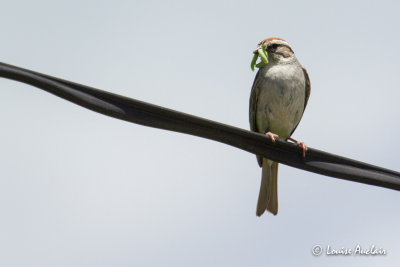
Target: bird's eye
x,y
274,46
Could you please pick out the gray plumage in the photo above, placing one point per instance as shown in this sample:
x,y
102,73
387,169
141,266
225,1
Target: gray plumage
x,y
278,98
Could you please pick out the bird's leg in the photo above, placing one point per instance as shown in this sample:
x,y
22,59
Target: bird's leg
x,y
272,136
301,144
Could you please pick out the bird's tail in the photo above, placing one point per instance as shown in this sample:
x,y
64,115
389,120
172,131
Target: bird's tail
x,y
268,196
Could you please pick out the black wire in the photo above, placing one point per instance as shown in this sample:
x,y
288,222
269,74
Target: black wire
x,y
135,111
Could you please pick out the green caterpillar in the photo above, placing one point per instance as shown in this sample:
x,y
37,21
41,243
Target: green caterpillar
x,y
262,53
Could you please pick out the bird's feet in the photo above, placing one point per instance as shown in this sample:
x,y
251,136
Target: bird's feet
x,y
272,136
300,144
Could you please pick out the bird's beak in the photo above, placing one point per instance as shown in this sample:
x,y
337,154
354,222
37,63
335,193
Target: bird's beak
x,y
263,54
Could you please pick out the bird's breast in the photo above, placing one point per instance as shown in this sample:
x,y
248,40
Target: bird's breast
x,y
281,99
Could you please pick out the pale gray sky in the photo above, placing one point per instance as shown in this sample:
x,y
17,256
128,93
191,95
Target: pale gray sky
x,y
81,189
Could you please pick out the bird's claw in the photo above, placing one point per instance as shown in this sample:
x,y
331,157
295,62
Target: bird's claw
x,y
304,147
272,136
300,144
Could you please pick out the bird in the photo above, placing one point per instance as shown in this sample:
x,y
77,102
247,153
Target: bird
x,y
278,98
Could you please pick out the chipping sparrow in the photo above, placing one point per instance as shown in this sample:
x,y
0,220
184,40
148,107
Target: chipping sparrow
x,y
278,98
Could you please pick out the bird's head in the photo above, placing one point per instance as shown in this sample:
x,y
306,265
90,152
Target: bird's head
x,y
273,49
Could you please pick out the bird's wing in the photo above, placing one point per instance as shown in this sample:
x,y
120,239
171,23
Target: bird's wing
x,y
253,109
307,95
308,87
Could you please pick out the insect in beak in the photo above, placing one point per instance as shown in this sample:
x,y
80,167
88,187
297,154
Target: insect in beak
x,y
263,54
